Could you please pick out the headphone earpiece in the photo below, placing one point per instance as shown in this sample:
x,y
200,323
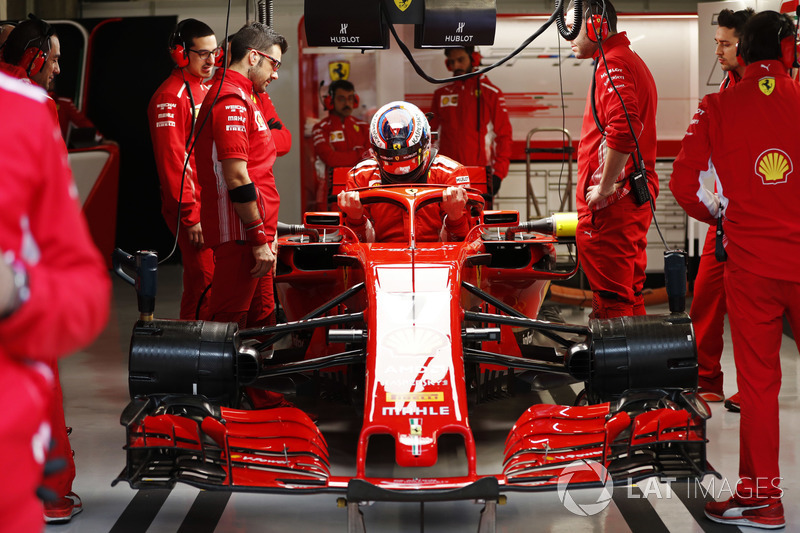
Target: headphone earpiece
x,y
788,51
33,60
476,59
597,26
220,61
177,47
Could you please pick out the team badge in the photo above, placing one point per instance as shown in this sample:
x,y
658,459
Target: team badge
x,y
449,100
402,5
774,166
767,85
339,70
415,424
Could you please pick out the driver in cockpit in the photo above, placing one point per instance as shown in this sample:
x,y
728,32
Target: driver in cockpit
x,y
401,154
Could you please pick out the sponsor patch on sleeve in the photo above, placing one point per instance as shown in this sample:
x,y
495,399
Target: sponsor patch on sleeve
x,y
462,180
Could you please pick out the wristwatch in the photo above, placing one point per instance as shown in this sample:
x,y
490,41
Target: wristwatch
x,y
21,291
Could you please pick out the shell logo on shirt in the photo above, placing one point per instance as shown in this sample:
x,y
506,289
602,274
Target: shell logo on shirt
x,y
449,100
336,136
774,166
262,126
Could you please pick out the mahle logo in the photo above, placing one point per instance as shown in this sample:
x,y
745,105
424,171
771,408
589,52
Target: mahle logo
x,y
580,500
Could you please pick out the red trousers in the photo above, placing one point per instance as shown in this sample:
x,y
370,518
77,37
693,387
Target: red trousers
x,y
61,481
198,269
612,249
25,394
235,296
756,306
708,316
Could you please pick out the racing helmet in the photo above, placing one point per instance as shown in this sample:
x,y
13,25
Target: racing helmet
x,y
401,142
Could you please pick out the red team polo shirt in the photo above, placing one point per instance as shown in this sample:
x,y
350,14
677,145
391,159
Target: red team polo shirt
x,y
236,129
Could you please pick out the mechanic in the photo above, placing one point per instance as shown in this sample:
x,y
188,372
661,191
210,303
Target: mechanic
x,y
235,154
172,116
401,153
708,303
472,118
753,154
54,299
340,139
31,52
613,218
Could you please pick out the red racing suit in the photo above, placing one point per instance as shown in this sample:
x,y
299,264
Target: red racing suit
x,y
337,143
430,221
171,114
759,193
612,239
708,303
236,129
458,109
42,230
281,135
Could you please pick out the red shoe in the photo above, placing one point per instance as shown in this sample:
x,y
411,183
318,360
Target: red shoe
x,y
63,509
767,515
732,403
709,395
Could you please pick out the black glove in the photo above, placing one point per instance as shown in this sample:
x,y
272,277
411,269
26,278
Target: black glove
x,y
496,181
275,124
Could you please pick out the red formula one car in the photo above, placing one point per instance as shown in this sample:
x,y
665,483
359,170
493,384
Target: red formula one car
x,y
412,337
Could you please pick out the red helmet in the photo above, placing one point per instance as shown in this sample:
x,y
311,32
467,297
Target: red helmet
x,y
400,138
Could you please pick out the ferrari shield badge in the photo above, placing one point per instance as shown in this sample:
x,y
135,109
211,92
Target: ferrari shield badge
x,y
339,70
402,5
767,85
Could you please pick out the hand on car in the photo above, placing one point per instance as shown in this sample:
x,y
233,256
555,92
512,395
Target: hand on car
x,y
454,199
350,204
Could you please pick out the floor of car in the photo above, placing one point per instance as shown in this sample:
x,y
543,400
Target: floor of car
x,y
96,390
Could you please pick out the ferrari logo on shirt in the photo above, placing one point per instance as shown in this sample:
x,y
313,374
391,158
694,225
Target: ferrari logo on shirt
x,y
339,70
774,166
767,85
449,100
402,5
336,136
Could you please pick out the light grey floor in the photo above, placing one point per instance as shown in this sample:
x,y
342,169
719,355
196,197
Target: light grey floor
x,y
95,392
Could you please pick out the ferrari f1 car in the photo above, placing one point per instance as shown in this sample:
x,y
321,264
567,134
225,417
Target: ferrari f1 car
x,y
413,337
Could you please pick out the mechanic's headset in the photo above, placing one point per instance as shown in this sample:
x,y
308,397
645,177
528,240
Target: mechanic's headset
x,y
34,58
327,102
788,49
475,57
180,52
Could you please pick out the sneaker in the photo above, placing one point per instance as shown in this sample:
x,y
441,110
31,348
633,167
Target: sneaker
x,y
710,396
63,509
767,515
732,403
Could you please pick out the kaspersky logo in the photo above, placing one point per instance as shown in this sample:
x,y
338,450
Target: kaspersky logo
x,y
774,166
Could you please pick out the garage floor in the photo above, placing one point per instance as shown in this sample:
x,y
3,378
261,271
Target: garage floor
x,y
96,391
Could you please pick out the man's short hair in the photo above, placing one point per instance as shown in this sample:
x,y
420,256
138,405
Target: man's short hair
x,y
735,20
187,31
345,85
31,33
762,36
258,37
468,49
604,8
